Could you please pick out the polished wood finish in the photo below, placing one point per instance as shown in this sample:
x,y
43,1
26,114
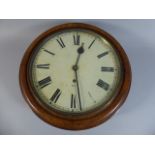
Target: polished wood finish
x,y
71,121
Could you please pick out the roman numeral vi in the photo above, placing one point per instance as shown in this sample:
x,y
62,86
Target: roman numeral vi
x,y
73,101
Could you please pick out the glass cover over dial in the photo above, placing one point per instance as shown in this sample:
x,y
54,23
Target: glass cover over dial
x,y
75,71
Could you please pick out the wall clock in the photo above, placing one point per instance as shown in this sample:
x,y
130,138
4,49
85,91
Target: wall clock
x,y
75,76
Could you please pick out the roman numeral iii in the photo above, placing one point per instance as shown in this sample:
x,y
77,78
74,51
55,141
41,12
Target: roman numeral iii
x,y
60,42
56,95
76,39
45,82
107,69
103,84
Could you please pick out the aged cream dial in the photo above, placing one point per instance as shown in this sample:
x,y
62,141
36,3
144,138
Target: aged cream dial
x,y
75,71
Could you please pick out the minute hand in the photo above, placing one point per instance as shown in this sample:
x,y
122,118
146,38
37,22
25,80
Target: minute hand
x,y
80,50
78,89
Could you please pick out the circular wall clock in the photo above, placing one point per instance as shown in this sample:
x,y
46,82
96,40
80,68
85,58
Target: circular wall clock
x,y
75,76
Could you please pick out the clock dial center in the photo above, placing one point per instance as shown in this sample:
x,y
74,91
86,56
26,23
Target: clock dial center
x,y
75,67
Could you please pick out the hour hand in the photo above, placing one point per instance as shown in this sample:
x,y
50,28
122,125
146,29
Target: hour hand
x,y
80,50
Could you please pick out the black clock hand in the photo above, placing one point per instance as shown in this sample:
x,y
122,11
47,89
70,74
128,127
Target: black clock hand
x,y
80,50
78,89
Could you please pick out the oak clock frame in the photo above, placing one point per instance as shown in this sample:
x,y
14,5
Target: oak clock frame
x,y
75,121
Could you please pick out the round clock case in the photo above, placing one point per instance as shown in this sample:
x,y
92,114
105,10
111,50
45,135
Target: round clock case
x,y
76,121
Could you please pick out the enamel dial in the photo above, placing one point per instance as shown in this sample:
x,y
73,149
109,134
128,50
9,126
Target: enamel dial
x,y
75,71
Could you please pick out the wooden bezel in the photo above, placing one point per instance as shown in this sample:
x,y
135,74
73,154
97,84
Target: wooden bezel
x,y
86,120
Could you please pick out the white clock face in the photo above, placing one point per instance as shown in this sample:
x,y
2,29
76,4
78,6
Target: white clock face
x,y
75,71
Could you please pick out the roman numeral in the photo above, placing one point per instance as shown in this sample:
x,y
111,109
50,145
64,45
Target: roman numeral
x,y
107,69
91,44
102,55
45,82
43,66
56,95
76,39
103,84
48,51
73,101
61,43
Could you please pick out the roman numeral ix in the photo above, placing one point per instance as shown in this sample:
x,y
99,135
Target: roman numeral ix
x,y
43,66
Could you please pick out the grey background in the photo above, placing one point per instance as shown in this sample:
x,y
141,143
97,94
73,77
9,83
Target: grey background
x,y
136,116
